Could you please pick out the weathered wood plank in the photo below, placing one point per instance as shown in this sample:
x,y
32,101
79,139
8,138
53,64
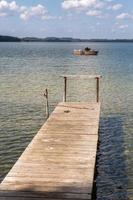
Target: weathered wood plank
x,y
39,188
60,166
59,162
37,198
82,76
35,194
64,180
56,186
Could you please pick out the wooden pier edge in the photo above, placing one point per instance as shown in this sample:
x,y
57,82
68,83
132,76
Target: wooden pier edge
x,y
59,163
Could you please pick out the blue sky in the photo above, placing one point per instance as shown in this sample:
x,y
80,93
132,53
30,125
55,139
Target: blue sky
x,y
67,18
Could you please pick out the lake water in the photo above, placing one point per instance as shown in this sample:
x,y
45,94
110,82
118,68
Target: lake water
x,y
26,69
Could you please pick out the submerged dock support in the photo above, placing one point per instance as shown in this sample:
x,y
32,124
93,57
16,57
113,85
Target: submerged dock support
x,y
47,103
65,89
98,89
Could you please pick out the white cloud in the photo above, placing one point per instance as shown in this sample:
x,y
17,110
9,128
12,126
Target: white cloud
x,y
4,5
25,13
124,26
13,6
82,4
48,17
116,6
125,16
35,11
92,7
7,8
117,25
95,13
109,0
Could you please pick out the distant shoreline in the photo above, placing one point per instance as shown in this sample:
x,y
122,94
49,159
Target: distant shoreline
x,y
56,39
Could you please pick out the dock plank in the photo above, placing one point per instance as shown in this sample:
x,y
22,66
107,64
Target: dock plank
x,y
59,162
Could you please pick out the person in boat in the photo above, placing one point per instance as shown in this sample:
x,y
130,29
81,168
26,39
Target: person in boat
x,y
87,49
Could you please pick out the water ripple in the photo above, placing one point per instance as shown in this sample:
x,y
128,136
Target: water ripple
x,y
112,178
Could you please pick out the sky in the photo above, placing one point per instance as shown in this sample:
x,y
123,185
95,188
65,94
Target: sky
x,y
88,19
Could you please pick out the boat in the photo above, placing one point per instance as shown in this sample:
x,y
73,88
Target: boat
x,y
91,52
78,52
87,51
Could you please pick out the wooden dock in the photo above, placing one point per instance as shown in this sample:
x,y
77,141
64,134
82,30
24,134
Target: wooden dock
x,y
59,163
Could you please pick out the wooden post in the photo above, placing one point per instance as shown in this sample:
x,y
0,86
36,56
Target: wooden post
x,y
97,89
47,103
65,89
97,77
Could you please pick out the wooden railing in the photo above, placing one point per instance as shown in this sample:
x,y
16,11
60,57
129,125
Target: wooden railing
x,y
97,77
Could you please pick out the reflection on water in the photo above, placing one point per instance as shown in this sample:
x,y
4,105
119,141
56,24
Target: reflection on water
x,y
26,69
